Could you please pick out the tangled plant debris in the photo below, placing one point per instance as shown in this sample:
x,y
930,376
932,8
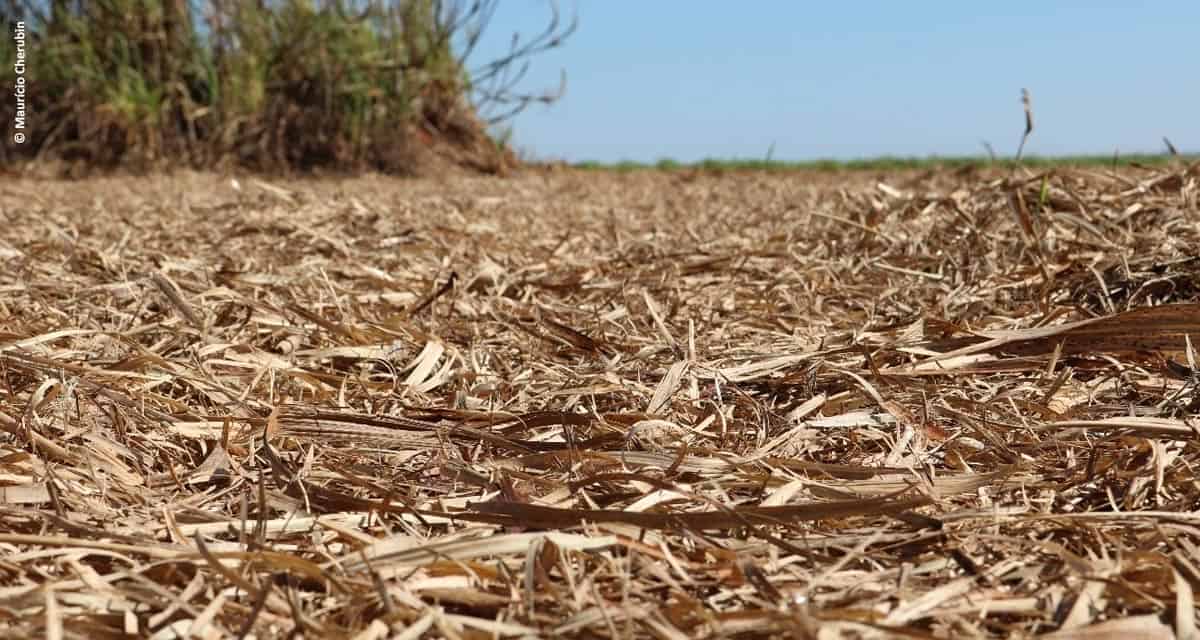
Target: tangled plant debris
x,y
654,404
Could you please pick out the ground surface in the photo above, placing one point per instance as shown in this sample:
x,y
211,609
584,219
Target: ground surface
x,y
601,405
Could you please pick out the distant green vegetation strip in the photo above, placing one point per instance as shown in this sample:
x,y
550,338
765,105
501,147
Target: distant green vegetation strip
x,y
885,163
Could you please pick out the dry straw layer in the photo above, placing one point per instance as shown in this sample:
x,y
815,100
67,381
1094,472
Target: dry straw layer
x,y
663,405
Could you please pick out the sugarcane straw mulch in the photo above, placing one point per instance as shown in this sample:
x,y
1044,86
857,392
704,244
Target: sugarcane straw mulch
x,y
688,404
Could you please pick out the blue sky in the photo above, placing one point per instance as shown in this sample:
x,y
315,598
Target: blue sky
x,y
695,79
